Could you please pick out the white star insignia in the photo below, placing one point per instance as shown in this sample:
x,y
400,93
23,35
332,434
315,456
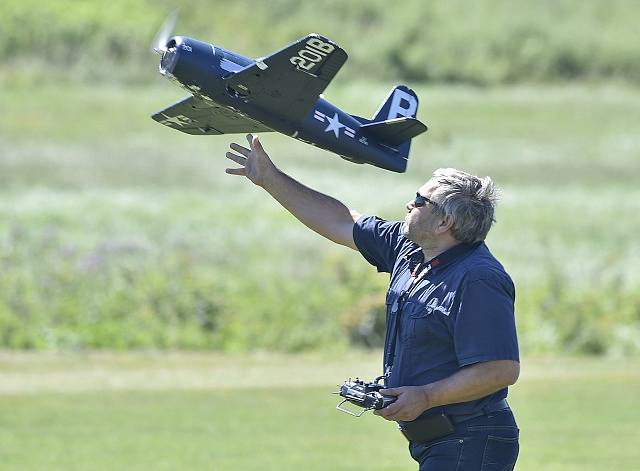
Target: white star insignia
x,y
334,125
179,120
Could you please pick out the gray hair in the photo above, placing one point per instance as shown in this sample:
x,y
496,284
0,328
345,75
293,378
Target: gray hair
x,y
469,202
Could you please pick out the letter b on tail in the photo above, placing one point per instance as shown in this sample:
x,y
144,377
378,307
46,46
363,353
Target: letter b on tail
x,y
401,102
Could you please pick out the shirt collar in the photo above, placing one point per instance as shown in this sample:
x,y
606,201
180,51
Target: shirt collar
x,y
416,256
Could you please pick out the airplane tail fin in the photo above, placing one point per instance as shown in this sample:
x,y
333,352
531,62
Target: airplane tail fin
x,y
395,122
401,101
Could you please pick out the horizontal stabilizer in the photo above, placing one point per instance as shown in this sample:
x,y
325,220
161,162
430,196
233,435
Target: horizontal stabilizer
x,y
394,131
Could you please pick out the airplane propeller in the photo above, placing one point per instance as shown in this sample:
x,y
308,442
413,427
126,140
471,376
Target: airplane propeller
x,y
159,44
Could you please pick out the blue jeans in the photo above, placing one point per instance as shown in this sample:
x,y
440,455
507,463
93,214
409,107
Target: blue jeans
x,y
487,443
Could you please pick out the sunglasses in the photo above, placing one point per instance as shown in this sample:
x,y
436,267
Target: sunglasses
x,y
420,201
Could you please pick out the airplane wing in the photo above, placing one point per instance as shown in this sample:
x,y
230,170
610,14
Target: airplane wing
x,y
195,116
290,80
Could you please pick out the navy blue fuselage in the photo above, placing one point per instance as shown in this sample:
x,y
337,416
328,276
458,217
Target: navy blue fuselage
x,y
202,68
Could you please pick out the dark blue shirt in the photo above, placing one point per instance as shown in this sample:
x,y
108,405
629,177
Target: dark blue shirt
x,y
460,313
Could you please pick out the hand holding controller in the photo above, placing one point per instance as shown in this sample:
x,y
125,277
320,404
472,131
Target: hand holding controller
x,y
365,395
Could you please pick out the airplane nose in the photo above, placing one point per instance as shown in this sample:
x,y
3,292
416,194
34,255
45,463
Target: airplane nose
x,y
169,57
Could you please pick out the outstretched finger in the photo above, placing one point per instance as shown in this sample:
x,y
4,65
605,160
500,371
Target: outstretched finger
x,y
236,158
256,144
240,149
250,140
237,171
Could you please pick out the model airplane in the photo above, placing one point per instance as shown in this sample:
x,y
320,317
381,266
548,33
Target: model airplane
x,y
282,92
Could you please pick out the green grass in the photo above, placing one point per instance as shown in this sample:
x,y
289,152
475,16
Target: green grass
x,y
202,411
148,243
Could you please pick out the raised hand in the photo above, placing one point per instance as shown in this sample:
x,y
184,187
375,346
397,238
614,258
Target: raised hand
x,y
255,163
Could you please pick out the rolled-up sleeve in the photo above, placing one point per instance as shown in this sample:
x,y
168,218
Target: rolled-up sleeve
x,y
378,241
485,328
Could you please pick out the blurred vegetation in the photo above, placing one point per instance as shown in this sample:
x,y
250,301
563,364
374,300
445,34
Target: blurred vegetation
x,y
482,42
116,232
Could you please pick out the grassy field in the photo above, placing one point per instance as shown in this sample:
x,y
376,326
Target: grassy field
x,y
148,243
269,412
117,233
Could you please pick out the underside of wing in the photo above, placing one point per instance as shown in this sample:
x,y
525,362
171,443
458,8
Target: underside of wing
x,y
291,79
195,116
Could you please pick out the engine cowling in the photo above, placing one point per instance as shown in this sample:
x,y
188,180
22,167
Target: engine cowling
x,y
189,62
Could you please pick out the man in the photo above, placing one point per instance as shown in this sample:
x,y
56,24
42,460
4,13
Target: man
x,y
451,349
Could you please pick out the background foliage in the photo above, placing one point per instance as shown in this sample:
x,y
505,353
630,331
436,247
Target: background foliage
x,y
480,42
118,233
